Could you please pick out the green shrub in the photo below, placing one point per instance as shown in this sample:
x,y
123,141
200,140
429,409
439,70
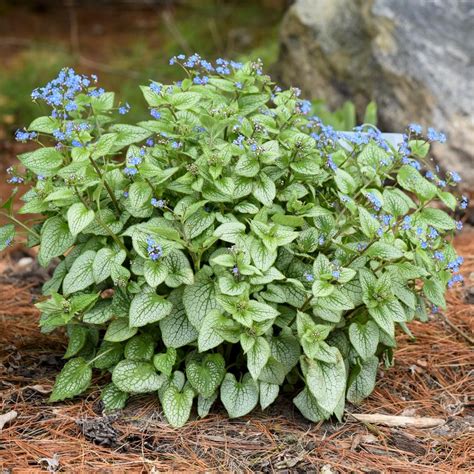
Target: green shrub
x,y
230,246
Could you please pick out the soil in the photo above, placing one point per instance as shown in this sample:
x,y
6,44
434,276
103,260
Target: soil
x,y
432,377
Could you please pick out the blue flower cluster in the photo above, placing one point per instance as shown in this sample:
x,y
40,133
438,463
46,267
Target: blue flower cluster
x,y
159,203
374,200
454,267
154,250
124,109
23,135
221,66
61,92
464,202
433,136
13,179
308,276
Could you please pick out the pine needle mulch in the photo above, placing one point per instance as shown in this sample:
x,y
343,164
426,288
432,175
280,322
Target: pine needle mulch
x,y
433,377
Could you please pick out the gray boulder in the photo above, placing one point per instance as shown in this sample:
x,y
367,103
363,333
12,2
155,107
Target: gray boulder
x,y
413,57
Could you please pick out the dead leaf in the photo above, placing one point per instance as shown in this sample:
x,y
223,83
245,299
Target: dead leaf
x,y
7,417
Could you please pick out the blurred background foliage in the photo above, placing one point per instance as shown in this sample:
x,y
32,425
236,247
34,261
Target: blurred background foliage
x,y
127,43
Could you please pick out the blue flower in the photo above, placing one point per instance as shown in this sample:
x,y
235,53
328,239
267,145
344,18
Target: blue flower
x,y
321,240
406,225
304,106
135,160
434,309
160,203
331,163
150,142
376,203
235,270
154,250
125,194
308,276
424,244
438,256
455,178
434,136
130,171
459,225
155,114
239,141
124,109
336,274
455,279
155,87
23,135
464,202
201,80
176,145
430,175
415,128
419,231
15,180
432,233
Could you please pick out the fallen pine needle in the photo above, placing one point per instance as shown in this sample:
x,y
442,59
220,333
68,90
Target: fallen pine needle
x,y
392,420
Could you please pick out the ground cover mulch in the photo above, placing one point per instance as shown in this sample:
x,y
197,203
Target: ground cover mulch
x,y
432,377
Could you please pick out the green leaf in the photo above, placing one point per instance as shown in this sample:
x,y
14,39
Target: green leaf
x,y
383,316
179,269
199,300
370,115
364,338
128,134
113,398
434,291
77,338
384,251
411,180
164,362
262,257
396,202
257,350
309,407
104,260
264,190
79,217
44,161
44,125
369,224
327,382
268,394
185,100
177,405
285,348
437,219
155,272
80,275
344,181
205,404
228,285
140,347
100,313
362,385
136,377
7,233
213,326
148,307
205,374
109,354
103,145
176,329
119,330
230,231
239,398
197,223
55,239
74,378
247,166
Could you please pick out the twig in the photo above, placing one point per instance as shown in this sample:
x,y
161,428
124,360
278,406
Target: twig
x,y
459,331
402,421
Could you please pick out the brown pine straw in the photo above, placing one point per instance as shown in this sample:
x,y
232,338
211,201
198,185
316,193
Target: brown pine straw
x,y
432,377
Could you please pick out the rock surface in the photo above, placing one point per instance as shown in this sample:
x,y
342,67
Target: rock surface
x,y
413,57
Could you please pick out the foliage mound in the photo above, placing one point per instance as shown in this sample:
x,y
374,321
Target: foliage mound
x,y
232,246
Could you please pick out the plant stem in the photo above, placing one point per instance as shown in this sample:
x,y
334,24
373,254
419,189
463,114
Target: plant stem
x,y
109,190
16,221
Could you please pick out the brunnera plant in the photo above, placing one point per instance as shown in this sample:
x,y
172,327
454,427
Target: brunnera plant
x,y
230,245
